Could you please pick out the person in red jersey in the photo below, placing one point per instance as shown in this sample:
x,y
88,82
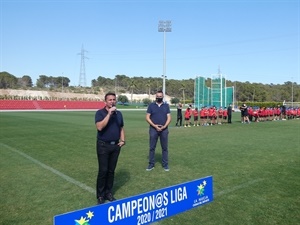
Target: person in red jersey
x,y
265,114
271,114
298,113
274,113
250,113
187,117
289,114
202,116
255,115
206,116
212,115
294,113
259,114
196,117
220,115
278,112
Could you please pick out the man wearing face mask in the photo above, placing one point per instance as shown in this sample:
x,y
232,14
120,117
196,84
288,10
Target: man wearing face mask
x,y
159,117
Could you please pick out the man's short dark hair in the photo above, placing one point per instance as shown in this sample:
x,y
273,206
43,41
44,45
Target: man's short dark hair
x,y
109,93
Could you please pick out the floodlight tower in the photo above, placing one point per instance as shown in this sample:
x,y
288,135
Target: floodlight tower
x,y
292,94
164,26
62,82
82,78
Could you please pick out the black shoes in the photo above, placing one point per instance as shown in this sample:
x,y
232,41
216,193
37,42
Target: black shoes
x,y
110,197
101,200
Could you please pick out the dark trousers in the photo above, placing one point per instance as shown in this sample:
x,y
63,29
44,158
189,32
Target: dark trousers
x,y
163,137
229,118
107,161
179,121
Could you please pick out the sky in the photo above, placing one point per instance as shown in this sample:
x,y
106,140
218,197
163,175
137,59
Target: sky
x,y
255,40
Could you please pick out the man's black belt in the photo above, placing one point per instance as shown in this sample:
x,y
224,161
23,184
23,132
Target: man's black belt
x,y
109,142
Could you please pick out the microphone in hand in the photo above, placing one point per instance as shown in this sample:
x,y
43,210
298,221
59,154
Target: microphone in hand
x,y
115,111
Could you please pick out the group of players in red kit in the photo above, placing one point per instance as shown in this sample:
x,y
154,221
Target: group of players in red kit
x,y
273,113
205,116
211,115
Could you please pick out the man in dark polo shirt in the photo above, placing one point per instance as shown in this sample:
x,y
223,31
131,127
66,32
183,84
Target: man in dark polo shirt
x,y
110,139
229,113
179,115
159,117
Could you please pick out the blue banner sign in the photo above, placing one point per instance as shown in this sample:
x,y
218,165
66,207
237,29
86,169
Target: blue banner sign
x,y
144,208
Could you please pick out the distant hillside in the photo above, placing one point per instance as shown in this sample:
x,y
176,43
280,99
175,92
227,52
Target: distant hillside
x,y
51,95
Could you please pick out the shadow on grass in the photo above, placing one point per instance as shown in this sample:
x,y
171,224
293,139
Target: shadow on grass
x,y
121,177
157,157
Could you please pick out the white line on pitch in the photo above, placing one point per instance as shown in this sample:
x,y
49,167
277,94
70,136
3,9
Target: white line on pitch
x,y
91,190
64,176
241,186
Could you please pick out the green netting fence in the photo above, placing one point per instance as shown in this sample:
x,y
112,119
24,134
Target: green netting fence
x,y
216,95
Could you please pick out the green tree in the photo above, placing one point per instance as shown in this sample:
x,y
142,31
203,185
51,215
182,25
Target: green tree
x,y
146,101
122,98
175,101
62,82
122,80
94,83
148,85
132,86
42,81
8,80
25,81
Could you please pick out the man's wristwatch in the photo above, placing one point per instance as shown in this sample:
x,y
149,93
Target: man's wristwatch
x,y
123,141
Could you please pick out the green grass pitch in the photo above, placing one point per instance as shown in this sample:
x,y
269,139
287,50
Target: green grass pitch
x,y
49,166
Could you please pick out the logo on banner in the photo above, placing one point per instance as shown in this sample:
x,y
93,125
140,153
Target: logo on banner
x,y
201,189
85,220
201,194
